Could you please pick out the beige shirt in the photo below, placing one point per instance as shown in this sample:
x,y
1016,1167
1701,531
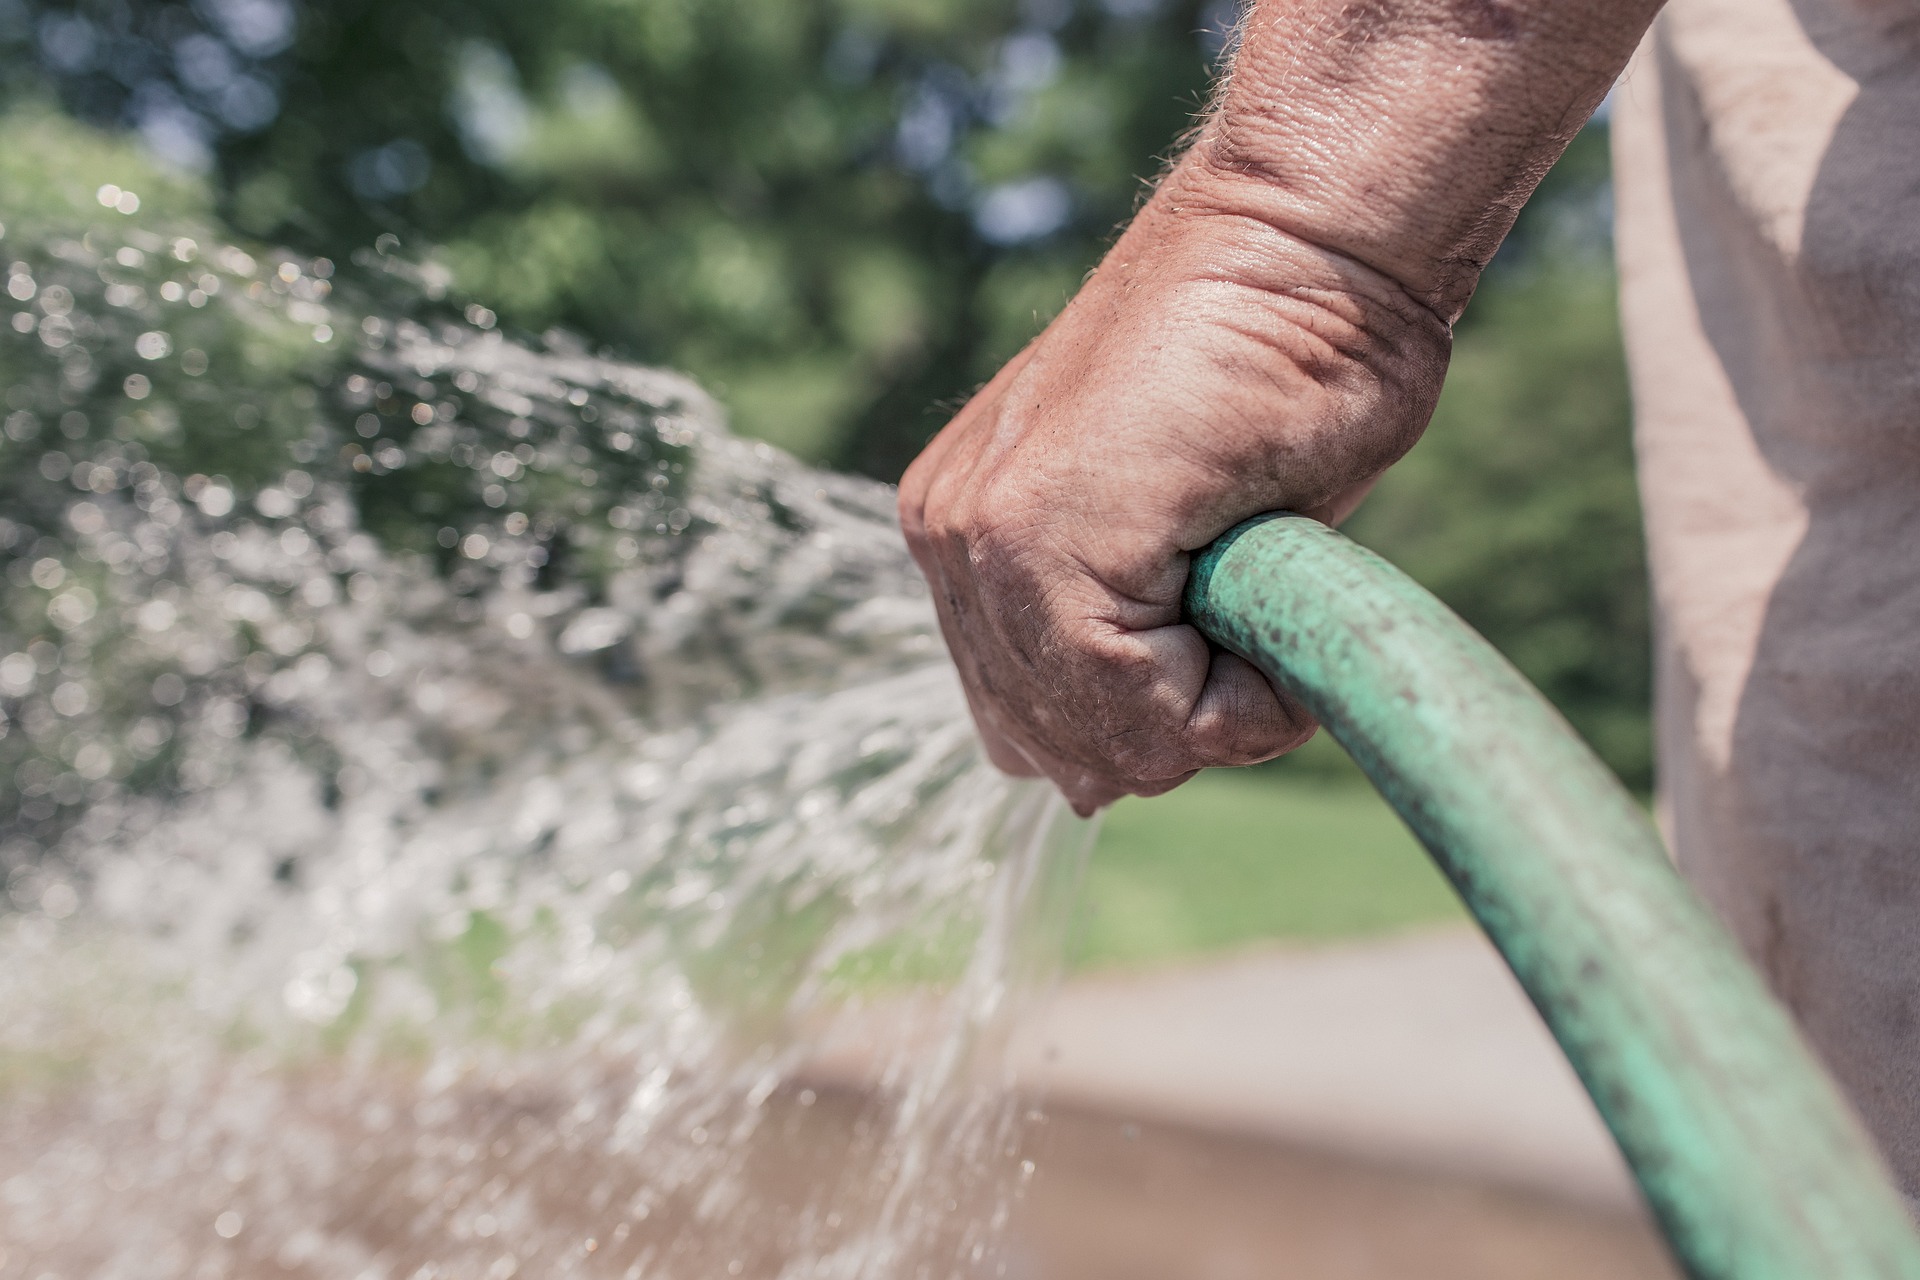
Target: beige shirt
x,y
1767,160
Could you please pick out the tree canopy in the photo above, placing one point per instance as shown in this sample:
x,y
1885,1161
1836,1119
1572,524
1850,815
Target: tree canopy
x,y
842,215
837,213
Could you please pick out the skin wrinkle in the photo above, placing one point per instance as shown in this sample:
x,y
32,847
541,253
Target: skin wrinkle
x,y
1314,359
1368,282
1285,448
1271,331
1302,111
1337,339
1378,300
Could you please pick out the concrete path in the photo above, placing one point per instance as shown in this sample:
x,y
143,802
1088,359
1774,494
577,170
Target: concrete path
x,y
1418,1052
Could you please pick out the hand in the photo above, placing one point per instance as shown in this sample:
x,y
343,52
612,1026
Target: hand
x,y
1270,332
1211,369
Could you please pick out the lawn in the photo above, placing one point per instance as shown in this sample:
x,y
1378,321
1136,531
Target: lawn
x,y
1241,856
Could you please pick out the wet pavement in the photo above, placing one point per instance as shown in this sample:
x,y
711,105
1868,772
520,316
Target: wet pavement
x,y
1384,1111
1417,1052
1122,1200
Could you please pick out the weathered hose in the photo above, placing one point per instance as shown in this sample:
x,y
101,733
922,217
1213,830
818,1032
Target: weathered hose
x,y
1754,1166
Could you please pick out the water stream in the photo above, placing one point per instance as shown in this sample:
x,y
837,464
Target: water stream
x,y
462,812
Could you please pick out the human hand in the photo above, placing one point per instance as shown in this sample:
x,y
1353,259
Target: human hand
x,y
1211,369
1271,332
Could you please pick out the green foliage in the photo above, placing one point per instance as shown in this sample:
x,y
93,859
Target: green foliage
x,y
795,200
814,206
51,173
1244,856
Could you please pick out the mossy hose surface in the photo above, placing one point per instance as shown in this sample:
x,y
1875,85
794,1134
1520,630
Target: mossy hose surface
x,y
1755,1167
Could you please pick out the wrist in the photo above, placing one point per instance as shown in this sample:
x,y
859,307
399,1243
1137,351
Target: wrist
x,y
1407,137
1205,223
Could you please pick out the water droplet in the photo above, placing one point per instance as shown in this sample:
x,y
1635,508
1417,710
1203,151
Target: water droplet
x,y
169,689
72,608
214,499
16,674
59,900
93,761
435,859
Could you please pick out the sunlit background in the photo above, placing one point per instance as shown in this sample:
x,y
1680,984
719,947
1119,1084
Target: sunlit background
x,y
840,216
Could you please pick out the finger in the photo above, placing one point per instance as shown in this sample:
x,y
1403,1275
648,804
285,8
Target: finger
x,y
1152,680
1015,752
1240,718
1336,509
1004,750
1001,742
1188,707
1087,790
937,457
1088,793
1165,785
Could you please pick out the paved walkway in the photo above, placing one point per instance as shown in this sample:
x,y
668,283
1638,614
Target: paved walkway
x,y
1418,1052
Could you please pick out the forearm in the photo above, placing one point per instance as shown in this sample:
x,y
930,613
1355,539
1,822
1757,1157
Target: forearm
x,y
1404,134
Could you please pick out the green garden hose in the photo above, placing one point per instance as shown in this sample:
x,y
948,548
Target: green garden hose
x,y
1753,1164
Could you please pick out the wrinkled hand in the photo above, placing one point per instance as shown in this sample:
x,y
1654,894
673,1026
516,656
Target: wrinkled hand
x,y
1211,369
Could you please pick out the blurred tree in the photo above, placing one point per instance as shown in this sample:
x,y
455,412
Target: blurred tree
x,y
843,214
838,213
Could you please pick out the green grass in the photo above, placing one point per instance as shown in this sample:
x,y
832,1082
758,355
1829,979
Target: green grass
x,y
1242,856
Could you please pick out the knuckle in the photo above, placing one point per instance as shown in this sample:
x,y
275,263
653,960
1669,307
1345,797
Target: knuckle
x,y
912,510
944,523
1252,735
1146,755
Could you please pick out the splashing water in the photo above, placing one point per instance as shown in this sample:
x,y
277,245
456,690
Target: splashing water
x,y
456,799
